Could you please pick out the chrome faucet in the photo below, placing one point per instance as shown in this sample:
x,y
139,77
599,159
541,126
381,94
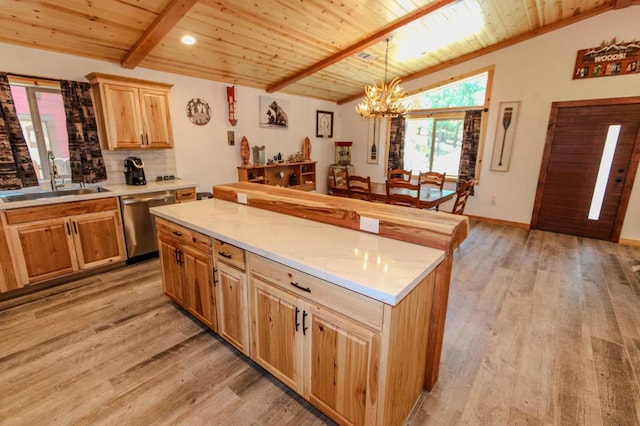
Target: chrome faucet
x,y
53,171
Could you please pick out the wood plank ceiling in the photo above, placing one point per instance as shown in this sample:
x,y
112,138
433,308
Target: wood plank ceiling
x,y
302,47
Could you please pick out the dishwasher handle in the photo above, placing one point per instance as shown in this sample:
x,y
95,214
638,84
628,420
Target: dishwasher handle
x,y
163,198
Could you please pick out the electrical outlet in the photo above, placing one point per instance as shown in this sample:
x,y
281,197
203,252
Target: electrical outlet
x,y
369,224
242,198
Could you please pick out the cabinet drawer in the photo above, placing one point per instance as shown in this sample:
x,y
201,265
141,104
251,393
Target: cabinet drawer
x,y
229,253
186,194
184,235
53,211
349,303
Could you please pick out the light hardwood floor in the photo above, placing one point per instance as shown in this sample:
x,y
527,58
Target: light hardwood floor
x,y
542,328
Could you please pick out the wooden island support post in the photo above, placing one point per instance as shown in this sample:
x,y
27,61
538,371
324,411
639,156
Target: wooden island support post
x,y
423,227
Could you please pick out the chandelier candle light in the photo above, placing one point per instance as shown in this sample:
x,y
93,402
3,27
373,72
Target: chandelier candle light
x,y
384,101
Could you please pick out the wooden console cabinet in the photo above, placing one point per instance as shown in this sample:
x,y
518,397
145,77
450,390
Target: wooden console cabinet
x,y
279,174
58,239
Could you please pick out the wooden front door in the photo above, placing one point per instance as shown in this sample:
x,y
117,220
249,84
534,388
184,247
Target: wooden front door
x,y
574,151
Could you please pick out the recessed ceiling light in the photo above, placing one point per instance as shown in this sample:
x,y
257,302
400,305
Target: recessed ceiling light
x,y
187,39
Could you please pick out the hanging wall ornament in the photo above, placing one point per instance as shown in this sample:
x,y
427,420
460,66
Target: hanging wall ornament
x,y
231,100
198,111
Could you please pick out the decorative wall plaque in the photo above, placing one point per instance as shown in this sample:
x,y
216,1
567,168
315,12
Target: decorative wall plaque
x,y
608,59
198,111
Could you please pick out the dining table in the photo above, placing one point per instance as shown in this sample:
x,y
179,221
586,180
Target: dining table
x,y
429,196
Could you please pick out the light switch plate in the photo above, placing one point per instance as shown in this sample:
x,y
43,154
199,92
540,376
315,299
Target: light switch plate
x,y
242,198
369,224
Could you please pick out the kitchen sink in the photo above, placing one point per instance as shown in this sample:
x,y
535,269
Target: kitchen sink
x,y
53,194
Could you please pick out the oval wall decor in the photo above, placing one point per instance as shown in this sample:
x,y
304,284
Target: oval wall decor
x,y
198,111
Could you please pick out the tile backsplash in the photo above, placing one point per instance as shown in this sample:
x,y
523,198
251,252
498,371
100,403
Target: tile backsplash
x,y
159,162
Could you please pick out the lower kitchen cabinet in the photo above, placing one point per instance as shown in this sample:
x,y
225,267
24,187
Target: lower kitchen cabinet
x,y
187,270
231,294
324,357
55,240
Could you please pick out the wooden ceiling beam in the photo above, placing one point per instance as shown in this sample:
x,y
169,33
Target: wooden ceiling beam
x,y
169,17
621,4
359,46
501,45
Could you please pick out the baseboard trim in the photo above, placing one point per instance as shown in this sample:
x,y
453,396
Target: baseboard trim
x,y
499,222
629,242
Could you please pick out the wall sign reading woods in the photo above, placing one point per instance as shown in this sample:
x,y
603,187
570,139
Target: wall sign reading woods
x,y
608,59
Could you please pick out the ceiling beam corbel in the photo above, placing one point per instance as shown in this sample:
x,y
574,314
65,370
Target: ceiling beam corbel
x,y
378,36
169,17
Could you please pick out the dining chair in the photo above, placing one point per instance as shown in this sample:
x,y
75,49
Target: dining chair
x,y
463,194
432,178
399,174
403,193
359,187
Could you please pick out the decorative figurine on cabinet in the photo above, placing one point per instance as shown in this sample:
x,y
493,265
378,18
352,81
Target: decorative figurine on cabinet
x,y
245,152
306,149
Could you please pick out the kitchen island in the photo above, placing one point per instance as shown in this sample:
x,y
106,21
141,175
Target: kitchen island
x,y
340,316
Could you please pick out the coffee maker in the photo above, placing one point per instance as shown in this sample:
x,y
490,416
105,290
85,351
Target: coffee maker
x,y
134,171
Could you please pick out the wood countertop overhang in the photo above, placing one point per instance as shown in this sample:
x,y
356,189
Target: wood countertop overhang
x,y
114,190
381,268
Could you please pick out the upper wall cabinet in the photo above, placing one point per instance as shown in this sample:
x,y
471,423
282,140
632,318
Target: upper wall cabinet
x,y
132,113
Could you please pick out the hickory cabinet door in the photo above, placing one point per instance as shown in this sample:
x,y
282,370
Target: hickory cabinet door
x,y
277,336
231,299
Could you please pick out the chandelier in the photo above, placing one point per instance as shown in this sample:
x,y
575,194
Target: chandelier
x,y
385,100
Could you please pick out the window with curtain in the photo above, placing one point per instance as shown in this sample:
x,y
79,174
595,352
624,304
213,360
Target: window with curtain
x,y
434,127
42,117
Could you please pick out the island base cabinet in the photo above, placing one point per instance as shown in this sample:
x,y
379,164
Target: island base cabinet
x,y
187,271
340,369
276,337
231,301
172,282
322,356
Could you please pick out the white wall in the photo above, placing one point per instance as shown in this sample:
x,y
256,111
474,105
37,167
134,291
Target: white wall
x,y
201,153
536,72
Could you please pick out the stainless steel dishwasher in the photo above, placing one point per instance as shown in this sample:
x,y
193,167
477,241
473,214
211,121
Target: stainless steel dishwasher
x,y
139,224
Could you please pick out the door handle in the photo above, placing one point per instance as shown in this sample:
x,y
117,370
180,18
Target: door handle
x,y
215,281
75,228
304,323
68,229
618,180
296,285
297,322
620,170
175,255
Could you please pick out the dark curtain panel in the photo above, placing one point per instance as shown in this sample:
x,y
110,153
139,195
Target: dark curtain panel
x,y
396,143
16,167
470,142
87,164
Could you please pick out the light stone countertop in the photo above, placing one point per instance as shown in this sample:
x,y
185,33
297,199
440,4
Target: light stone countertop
x,y
377,267
115,190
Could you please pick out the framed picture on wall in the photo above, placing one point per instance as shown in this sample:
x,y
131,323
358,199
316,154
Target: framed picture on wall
x,y
324,124
505,135
273,112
